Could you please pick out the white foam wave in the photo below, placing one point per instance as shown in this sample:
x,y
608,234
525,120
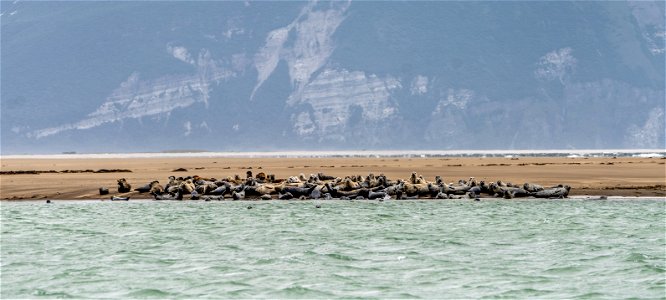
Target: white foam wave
x,y
646,153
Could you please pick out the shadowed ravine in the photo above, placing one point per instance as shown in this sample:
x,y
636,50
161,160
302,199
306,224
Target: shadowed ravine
x,y
406,249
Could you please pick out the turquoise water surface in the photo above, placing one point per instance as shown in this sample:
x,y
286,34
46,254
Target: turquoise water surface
x,y
369,249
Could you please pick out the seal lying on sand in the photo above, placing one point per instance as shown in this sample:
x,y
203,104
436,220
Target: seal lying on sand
x,y
561,191
238,195
168,196
298,191
153,187
124,186
532,188
103,191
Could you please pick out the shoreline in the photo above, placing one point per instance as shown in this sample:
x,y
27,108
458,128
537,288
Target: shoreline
x,y
570,198
77,179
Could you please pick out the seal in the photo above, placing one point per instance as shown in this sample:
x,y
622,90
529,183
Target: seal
x,y
484,188
561,191
285,196
376,195
271,179
475,190
532,188
324,177
156,188
187,186
259,190
293,179
168,196
261,176
417,189
416,179
238,195
149,187
298,191
103,191
220,190
315,194
124,186
395,188
350,184
314,179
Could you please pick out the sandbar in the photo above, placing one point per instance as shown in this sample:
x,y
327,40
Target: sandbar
x,y
79,178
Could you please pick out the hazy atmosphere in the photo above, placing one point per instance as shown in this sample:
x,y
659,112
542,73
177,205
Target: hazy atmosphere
x,y
255,76
332,149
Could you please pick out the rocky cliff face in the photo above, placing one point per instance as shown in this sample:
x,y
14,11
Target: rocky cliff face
x,y
97,77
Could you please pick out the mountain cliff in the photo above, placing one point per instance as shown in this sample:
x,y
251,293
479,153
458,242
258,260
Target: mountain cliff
x,y
234,76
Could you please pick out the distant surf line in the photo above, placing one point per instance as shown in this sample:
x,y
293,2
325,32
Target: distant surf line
x,y
643,153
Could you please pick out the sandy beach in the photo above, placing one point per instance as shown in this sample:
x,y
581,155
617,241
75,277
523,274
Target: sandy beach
x,y
68,178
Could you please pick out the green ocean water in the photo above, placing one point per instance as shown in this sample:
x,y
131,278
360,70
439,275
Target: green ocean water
x,y
345,249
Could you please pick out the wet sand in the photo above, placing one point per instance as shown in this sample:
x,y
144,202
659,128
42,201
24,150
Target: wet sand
x,y
586,176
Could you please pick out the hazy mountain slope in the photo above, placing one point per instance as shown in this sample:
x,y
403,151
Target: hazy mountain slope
x,y
151,76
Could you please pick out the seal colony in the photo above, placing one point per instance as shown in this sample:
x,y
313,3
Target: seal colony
x,y
320,186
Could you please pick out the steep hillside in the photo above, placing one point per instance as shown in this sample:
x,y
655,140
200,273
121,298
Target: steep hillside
x,y
153,76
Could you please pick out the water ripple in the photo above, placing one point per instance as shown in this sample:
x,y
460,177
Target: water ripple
x,y
345,249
